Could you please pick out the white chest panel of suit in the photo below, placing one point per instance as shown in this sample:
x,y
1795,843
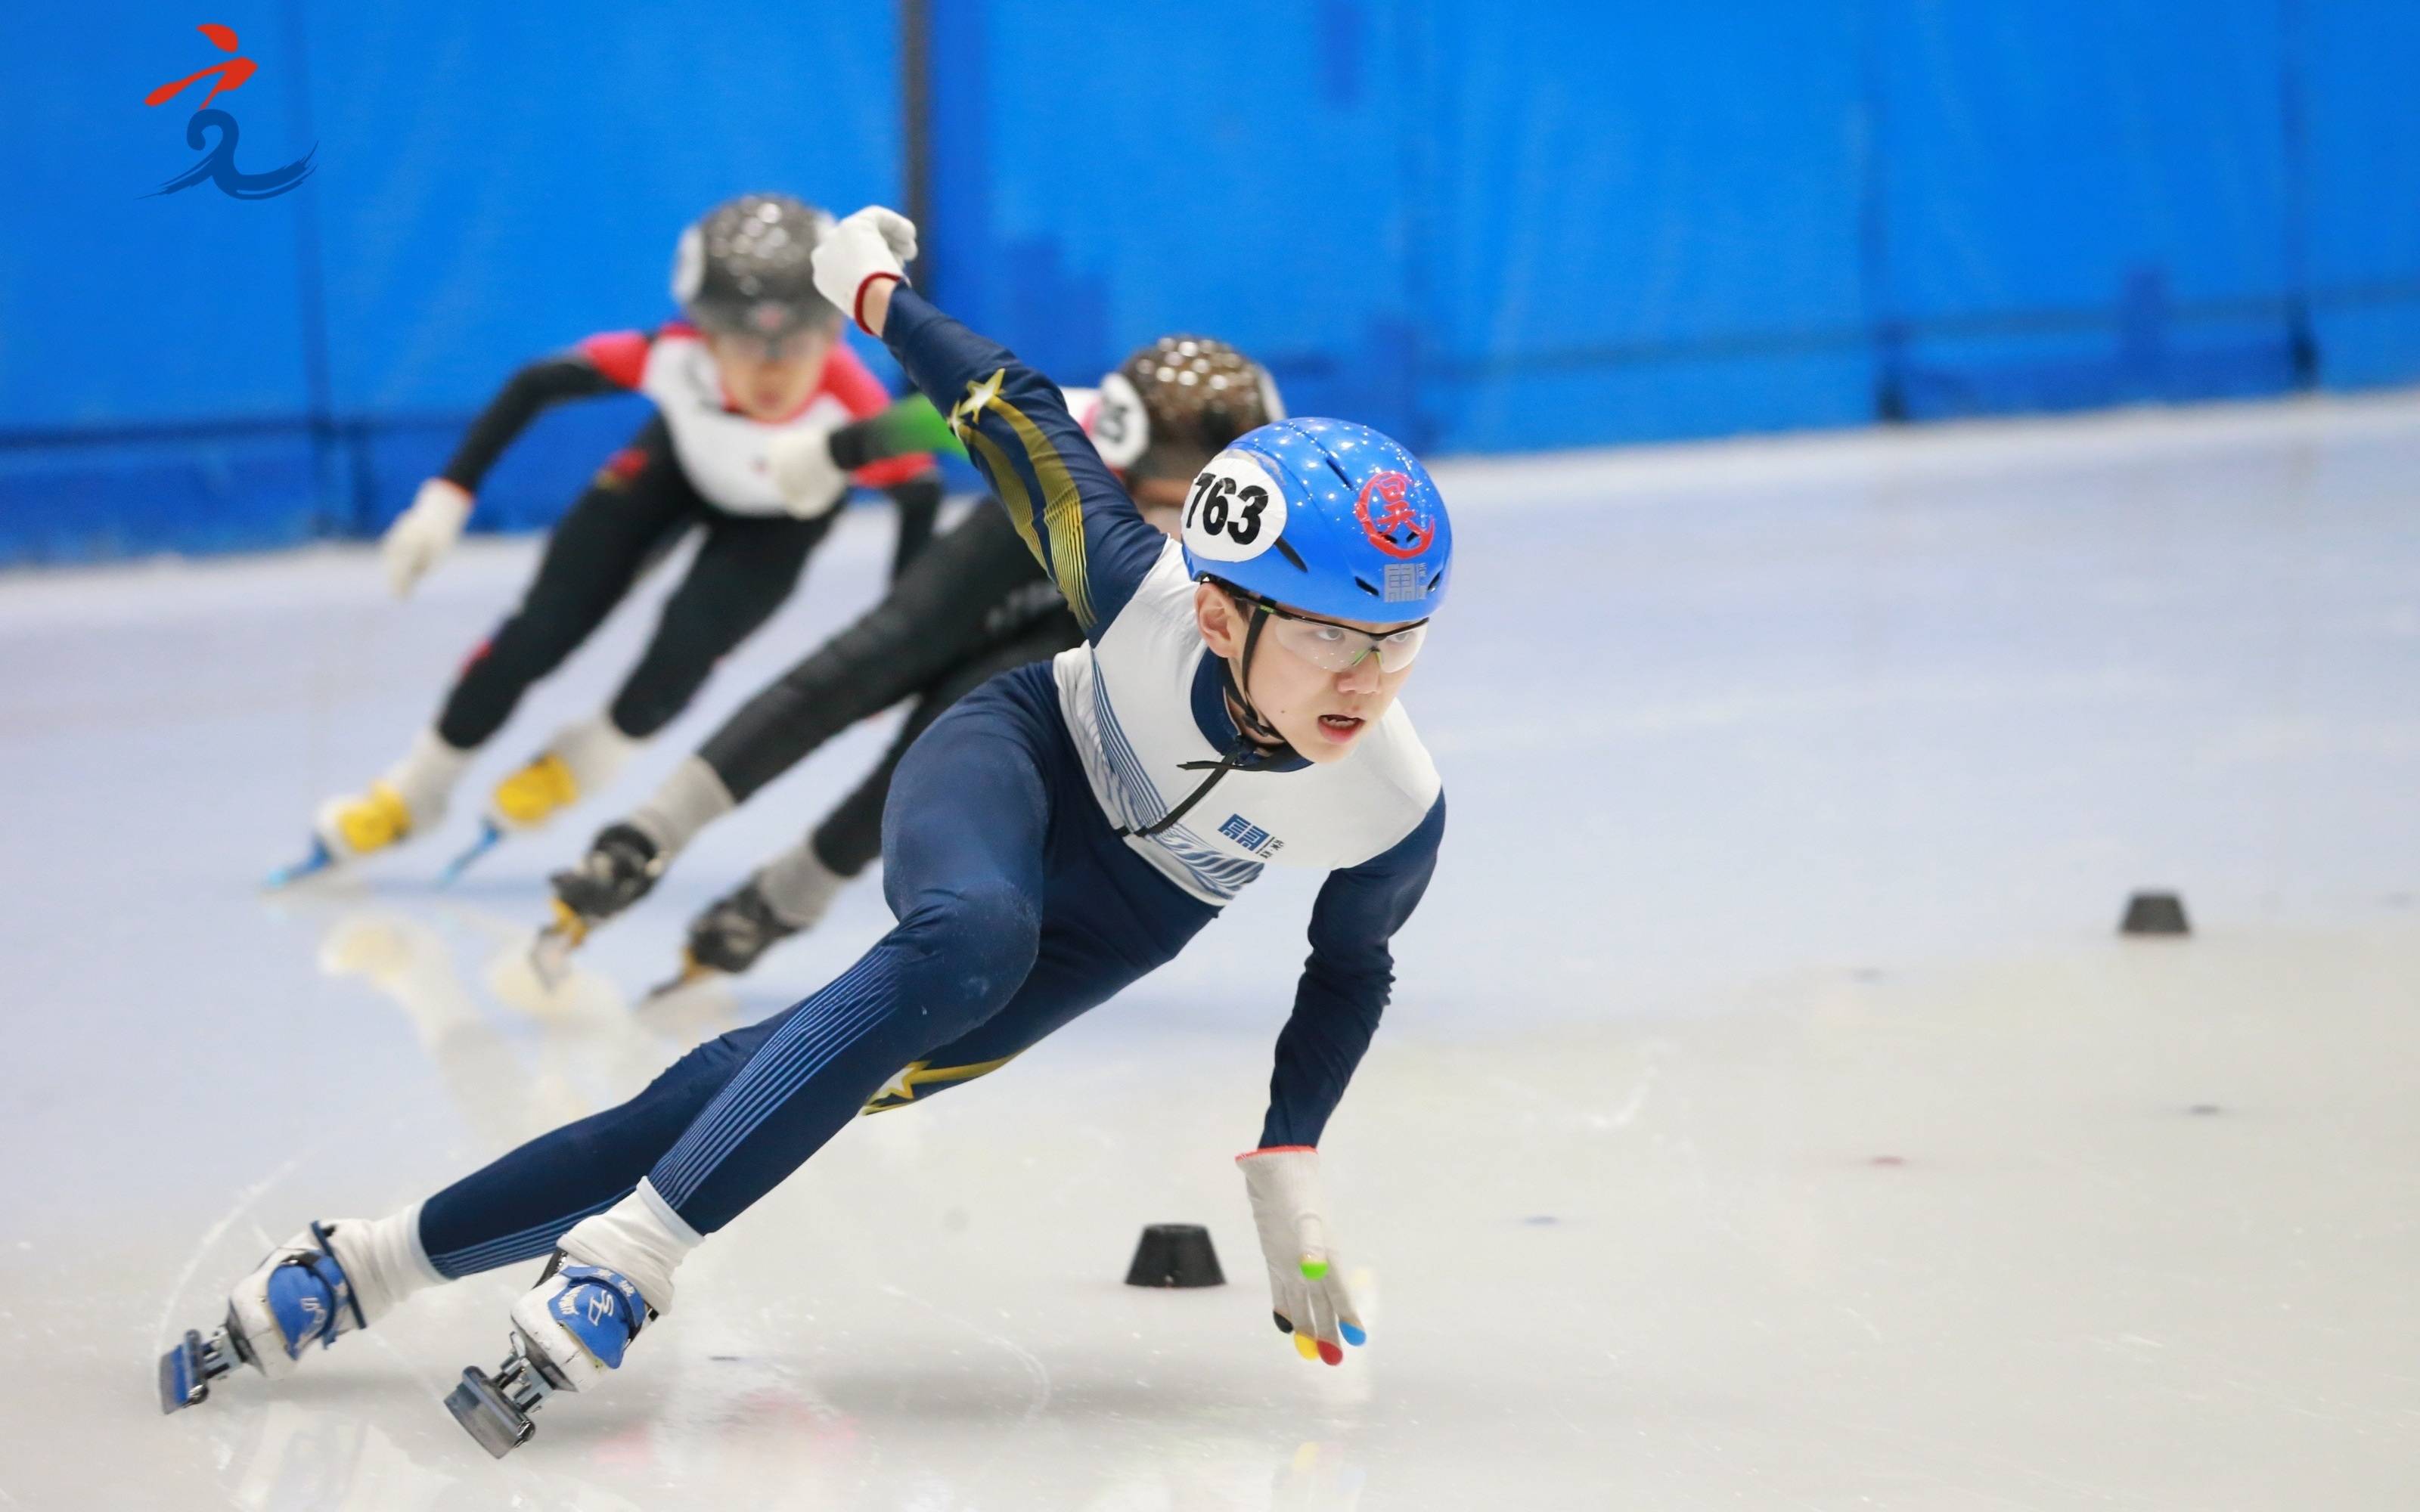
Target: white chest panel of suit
x,y
723,453
1128,703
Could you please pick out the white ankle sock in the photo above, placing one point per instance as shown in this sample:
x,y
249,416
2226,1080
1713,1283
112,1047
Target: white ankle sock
x,y
684,803
594,751
383,1259
798,886
641,1238
424,778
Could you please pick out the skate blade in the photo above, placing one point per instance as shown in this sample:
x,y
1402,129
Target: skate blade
x,y
489,838
484,1414
549,954
690,974
549,959
320,860
187,1370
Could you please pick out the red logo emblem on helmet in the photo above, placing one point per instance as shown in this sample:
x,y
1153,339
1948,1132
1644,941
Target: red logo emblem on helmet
x,y
1387,518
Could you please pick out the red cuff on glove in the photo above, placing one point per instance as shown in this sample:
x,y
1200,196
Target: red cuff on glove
x,y
858,313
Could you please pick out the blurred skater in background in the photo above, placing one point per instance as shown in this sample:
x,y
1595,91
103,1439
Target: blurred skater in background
x,y
754,395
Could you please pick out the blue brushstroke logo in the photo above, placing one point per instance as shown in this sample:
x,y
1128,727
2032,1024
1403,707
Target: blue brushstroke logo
x,y
217,165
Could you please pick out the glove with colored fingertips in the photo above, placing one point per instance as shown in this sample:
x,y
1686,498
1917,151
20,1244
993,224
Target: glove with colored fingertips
x,y
861,250
1307,1291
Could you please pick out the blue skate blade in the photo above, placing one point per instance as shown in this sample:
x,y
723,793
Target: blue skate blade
x,y
488,836
312,864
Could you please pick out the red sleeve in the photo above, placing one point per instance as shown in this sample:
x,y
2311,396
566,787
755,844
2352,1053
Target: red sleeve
x,y
891,470
620,355
861,394
846,378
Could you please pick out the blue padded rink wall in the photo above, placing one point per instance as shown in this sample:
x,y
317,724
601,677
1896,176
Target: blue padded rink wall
x,y
1615,222
1768,1115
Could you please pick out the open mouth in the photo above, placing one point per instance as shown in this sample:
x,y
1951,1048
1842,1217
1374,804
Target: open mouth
x,y
1341,727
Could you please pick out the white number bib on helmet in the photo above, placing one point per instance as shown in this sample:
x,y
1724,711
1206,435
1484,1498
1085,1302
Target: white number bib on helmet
x,y
1235,511
689,267
1120,426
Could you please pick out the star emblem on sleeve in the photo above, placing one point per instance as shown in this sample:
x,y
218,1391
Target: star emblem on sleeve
x,y
978,396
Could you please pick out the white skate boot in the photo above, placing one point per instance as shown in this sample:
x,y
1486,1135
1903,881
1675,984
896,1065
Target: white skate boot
x,y
332,1278
568,1331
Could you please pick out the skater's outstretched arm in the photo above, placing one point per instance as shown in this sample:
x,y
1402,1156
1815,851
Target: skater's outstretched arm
x,y
1066,502
1346,981
609,362
427,529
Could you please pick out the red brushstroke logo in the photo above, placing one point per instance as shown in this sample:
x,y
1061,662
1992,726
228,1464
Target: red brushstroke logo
x,y
217,166
1390,519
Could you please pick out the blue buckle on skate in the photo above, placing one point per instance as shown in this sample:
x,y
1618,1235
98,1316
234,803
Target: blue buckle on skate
x,y
602,1309
305,1306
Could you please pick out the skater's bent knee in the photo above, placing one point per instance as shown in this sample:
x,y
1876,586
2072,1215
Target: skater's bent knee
x,y
983,934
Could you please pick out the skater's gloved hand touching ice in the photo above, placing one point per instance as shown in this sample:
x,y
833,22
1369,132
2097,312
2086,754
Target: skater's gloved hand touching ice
x,y
863,253
1306,1290
801,463
423,532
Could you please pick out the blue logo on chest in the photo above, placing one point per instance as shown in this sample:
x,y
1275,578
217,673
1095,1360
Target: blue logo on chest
x,y
1250,835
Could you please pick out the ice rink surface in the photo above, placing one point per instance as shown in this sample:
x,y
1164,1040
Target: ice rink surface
x,y
1768,1117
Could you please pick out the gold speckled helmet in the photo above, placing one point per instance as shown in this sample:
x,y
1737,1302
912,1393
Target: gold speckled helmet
x,y
1174,404
744,268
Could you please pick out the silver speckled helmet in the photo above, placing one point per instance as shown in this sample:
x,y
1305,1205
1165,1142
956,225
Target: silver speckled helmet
x,y
1171,406
744,269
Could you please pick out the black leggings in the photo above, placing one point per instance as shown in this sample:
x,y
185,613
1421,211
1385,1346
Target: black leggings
x,y
972,605
636,509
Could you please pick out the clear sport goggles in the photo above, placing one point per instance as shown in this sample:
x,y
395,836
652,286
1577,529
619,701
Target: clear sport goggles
x,y
1336,648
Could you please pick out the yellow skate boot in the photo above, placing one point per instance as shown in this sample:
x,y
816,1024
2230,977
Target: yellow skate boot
x,y
531,796
347,827
407,800
365,822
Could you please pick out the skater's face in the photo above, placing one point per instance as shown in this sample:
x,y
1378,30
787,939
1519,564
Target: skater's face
x,y
1321,714
771,383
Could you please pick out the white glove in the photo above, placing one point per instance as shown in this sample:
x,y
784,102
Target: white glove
x,y
800,459
1306,1290
871,244
424,532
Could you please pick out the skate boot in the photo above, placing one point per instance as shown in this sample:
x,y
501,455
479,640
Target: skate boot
x,y
736,928
788,895
726,939
621,868
332,1278
622,864
568,1331
350,826
407,800
582,757
530,796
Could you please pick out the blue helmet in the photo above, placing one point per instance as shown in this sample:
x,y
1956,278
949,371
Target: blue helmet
x,y
1324,517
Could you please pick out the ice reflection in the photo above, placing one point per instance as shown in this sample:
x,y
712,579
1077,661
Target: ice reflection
x,y
517,1057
